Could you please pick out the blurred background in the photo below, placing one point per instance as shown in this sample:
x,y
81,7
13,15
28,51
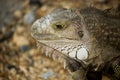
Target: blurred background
x,y
19,57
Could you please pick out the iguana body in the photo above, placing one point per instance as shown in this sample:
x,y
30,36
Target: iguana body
x,y
87,39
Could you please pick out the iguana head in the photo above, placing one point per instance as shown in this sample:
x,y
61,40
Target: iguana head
x,y
62,33
86,39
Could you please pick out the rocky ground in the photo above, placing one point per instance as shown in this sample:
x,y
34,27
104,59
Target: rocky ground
x,y
19,57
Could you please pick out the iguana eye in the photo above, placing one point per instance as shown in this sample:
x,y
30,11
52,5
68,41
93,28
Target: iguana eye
x,y
58,26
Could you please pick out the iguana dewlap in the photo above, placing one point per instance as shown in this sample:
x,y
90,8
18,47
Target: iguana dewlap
x,y
87,38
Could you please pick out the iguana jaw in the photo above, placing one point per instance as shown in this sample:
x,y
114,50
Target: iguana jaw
x,y
70,48
70,62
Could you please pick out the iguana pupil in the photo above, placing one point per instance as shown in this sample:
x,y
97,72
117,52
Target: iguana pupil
x,y
59,26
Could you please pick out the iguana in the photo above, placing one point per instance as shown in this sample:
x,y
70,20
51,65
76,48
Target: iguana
x,y
87,39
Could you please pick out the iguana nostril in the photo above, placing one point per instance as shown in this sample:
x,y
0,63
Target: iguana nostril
x,y
34,29
80,33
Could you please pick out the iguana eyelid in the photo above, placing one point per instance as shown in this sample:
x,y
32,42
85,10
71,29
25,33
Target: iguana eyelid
x,y
60,25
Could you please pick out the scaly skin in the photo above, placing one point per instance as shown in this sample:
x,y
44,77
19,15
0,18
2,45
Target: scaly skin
x,y
88,40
